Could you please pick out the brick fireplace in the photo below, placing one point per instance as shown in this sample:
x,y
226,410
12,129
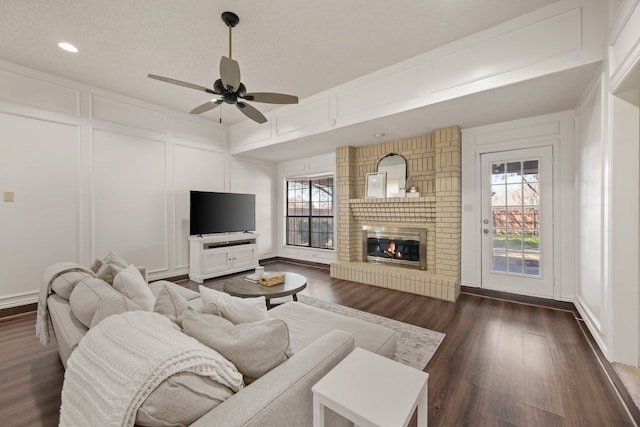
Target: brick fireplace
x,y
433,164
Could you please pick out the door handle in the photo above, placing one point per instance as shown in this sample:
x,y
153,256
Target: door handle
x,y
485,231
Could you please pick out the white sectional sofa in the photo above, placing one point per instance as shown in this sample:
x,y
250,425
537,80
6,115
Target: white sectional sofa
x,y
281,397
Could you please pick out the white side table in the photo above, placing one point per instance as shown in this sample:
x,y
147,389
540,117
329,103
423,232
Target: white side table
x,y
371,390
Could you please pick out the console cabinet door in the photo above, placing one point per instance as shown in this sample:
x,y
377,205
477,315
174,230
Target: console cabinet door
x,y
216,260
245,256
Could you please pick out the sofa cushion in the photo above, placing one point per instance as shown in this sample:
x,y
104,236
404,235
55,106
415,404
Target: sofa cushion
x,y
87,296
171,304
68,329
237,310
113,306
307,323
64,283
180,400
254,348
130,283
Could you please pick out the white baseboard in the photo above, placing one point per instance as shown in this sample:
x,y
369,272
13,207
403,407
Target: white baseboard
x,y
16,300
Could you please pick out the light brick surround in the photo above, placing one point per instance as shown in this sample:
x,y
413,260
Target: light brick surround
x,y
434,168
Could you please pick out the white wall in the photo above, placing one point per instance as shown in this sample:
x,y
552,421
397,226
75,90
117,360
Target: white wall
x,y
624,213
608,200
251,176
592,189
608,204
93,171
554,130
306,167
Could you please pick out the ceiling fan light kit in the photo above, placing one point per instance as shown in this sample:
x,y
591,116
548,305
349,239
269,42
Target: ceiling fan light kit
x,y
228,88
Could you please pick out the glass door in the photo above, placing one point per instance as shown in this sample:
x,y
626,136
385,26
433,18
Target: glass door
x,y
517,221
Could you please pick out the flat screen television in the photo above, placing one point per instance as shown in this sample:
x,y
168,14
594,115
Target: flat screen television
x,y
212,212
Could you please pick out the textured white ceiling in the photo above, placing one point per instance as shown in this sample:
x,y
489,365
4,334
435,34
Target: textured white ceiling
x,y
300,47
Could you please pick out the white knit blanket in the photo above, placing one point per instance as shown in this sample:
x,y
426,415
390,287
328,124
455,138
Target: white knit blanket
x,y
50,274
120,361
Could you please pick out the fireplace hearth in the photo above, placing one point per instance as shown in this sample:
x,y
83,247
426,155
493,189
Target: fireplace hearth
x,y
400,246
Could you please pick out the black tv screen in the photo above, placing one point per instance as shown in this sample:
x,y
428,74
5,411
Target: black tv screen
x,y
221,212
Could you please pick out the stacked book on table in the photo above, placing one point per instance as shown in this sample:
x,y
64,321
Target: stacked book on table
x,y
253,278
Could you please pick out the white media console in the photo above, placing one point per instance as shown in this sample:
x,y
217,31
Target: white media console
x,y
214,255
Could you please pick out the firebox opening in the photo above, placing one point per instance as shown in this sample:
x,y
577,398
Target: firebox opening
x,y
404,247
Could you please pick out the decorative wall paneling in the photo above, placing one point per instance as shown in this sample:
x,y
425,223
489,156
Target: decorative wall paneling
x,y
624,48
42,94
122,113
129,190
558,37
504,52
212,176
591,194
252,176
94,171
39,164
309,114
623,209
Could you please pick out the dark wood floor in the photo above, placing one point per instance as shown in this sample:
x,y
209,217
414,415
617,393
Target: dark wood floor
x,y
501,363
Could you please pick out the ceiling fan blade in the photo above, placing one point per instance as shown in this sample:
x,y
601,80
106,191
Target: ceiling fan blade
x,y
180,83
210,105
271,98
230,73
251,112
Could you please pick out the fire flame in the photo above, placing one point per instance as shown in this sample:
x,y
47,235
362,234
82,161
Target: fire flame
x,y
392,250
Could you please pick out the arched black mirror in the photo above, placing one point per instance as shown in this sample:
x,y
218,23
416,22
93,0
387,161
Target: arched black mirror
x,y
395,166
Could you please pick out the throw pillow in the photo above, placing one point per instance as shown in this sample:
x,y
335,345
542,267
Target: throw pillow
x,y
95,265
115,259
107,268
209,309
130,283
63,284
158,285
255,348
180,400
87,296
237,310
111,307
171,304
108,272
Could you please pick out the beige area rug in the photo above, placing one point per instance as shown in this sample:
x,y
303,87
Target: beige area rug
x,y
416,345
630,377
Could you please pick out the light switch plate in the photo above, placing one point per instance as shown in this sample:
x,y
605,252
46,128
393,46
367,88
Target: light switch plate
x,y
8,196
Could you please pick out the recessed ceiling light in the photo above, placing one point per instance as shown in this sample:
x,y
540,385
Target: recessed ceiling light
x,y
68,47
379,135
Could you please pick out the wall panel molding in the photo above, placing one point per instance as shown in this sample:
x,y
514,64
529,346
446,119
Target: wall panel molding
x,y
114,111
39,93
503,53
624,48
